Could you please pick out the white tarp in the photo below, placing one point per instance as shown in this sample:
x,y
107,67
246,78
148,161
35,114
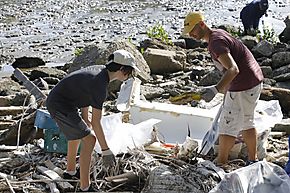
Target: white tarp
x,y
121,136
267,114
260,177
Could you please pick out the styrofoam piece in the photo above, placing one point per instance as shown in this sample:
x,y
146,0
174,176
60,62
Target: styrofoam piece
x,y
175,120
6,71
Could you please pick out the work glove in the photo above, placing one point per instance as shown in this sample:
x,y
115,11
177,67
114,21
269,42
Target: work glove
x,y
108,158
208,93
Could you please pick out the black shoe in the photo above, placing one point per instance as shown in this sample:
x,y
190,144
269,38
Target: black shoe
x,y
71,177
91,189
250,162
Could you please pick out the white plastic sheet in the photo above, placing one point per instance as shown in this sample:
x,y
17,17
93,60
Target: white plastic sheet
x,y
260,177
267,114
121,135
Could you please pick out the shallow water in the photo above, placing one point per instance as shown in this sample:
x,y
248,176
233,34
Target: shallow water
x,y
53,29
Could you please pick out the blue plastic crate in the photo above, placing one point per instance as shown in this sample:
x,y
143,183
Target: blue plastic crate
x,y
44,121
54,139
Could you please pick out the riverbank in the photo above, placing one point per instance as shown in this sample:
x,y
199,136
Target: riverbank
x,y
53,30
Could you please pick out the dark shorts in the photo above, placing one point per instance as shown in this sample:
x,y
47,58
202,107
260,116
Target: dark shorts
x,y
71,124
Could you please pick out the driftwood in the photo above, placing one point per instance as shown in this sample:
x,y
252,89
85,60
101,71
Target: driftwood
x,y
12,110
5,177
51,166
64,186
125,177
52,185
27,131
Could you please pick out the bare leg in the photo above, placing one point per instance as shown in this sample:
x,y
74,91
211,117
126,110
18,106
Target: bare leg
x,y
250,138
88,144
72,154
226,143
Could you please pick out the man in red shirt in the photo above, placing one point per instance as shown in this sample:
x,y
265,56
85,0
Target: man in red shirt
x,y
241,83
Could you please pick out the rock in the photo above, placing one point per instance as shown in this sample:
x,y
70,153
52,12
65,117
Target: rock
x,y
280,58
150,92
140,62
264,47
285,35
283,95
210,78
8,87
98,55
46,72
164,61
28,62
249,41
267,71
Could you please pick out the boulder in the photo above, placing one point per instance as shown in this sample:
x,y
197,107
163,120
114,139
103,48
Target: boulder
x,y
165,61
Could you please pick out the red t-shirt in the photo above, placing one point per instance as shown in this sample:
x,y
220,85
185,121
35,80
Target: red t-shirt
x,y
250,73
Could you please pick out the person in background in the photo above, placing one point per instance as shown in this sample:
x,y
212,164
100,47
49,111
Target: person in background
x,y
80,90
251,14
241,83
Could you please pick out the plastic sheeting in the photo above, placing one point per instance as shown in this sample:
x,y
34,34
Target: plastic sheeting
x,y
260,177
267,114
121,136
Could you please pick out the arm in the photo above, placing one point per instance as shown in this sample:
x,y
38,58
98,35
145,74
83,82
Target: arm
x,y
98,129
231,72
85,116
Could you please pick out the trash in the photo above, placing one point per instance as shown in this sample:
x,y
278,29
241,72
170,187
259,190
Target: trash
x,y
212,135
120,136
175,119
267,114
185,98
259,177
6,71
187,149
30,86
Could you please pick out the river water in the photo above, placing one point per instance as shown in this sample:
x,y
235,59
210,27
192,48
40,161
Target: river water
x,y
53,29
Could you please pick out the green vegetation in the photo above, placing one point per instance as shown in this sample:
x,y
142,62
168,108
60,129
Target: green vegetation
x,y
236,33
268,34
159,32
78,51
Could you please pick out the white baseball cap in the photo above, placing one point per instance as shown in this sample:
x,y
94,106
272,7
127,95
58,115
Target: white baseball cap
x,y
125,58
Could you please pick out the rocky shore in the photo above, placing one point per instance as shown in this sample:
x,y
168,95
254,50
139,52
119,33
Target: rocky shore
x,y
49,39
53,30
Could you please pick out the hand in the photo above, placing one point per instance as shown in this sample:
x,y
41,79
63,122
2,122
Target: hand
x,y
208,93
108,158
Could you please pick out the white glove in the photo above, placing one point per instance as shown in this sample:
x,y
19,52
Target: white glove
x,y
208,93
108,158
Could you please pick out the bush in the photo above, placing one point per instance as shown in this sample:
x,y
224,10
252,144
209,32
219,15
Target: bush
x,y
158,32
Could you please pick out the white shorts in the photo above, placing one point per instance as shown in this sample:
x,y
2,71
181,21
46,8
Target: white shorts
x,y
238,111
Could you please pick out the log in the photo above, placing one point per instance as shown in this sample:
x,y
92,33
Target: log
x,y
12,110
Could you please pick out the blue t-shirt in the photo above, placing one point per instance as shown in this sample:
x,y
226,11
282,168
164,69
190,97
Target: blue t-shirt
x,y
252,13
82,88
